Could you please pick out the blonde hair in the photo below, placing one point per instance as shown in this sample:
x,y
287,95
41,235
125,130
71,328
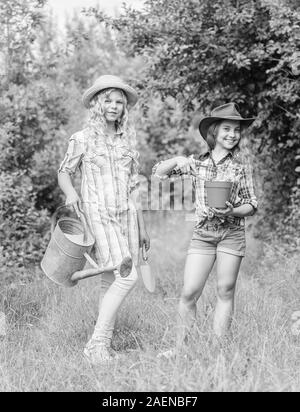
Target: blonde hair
x,y
241,151
97,121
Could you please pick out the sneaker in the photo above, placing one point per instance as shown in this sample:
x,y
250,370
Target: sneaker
x,y
97,353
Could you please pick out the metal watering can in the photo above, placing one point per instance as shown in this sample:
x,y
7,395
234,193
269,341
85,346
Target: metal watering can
x,y
68,251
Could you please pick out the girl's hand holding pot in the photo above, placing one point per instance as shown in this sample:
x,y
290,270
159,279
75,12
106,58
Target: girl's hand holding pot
x,y
223,212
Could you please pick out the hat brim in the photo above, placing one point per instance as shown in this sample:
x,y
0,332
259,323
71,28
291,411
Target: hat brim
x,y
131,94
207,121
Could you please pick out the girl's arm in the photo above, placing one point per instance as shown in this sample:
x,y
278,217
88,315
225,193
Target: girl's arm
x,y
66,185
248,205
68,167
164,168
239,211
243,210
134,193
143,235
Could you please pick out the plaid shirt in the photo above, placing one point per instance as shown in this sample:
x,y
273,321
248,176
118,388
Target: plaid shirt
x,y
109,173
228,168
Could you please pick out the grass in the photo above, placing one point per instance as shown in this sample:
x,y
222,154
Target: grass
x,y
48,327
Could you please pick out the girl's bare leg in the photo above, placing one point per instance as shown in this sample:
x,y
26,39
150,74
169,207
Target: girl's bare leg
x,y
197,269
227,272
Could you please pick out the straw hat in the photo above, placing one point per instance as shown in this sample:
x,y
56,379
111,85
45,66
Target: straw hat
x,y
227,111
107,82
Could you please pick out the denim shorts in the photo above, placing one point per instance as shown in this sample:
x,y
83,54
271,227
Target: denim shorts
x,y
209,240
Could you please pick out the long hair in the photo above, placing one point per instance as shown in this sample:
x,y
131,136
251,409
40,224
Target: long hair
x,y
241,151
97,122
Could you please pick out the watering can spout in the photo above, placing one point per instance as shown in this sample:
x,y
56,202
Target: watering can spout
x,y
124,268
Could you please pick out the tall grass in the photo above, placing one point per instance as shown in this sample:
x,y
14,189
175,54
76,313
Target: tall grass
x,y
48,327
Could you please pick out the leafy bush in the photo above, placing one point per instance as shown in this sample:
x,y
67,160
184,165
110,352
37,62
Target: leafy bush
x,y
23,229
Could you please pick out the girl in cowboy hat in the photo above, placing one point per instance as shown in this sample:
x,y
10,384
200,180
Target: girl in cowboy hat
x,y
219,234
104,152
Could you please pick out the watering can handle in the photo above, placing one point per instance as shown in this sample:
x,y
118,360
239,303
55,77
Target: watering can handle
x,y
85,225
91,261
81,216
54,217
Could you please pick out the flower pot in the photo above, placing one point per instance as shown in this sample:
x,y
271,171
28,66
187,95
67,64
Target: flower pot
x,y
218,193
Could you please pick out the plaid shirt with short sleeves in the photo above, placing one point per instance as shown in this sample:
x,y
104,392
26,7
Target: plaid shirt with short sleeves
x,y
229,168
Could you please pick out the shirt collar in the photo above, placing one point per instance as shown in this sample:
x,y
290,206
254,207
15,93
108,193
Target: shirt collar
x,y
208,153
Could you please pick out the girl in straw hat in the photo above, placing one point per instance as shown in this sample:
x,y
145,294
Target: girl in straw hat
x,y
104,152
219,234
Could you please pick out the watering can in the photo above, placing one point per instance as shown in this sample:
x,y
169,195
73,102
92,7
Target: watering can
x,y
68,251
147,275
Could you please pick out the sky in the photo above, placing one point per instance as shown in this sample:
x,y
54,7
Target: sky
x,y
63,7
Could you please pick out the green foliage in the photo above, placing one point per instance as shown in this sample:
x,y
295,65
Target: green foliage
x,y
32,114
90,51
163,132
19,20
23,229
205,53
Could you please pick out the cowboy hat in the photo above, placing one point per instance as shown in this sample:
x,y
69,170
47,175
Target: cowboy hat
x,y
106,82
227,111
